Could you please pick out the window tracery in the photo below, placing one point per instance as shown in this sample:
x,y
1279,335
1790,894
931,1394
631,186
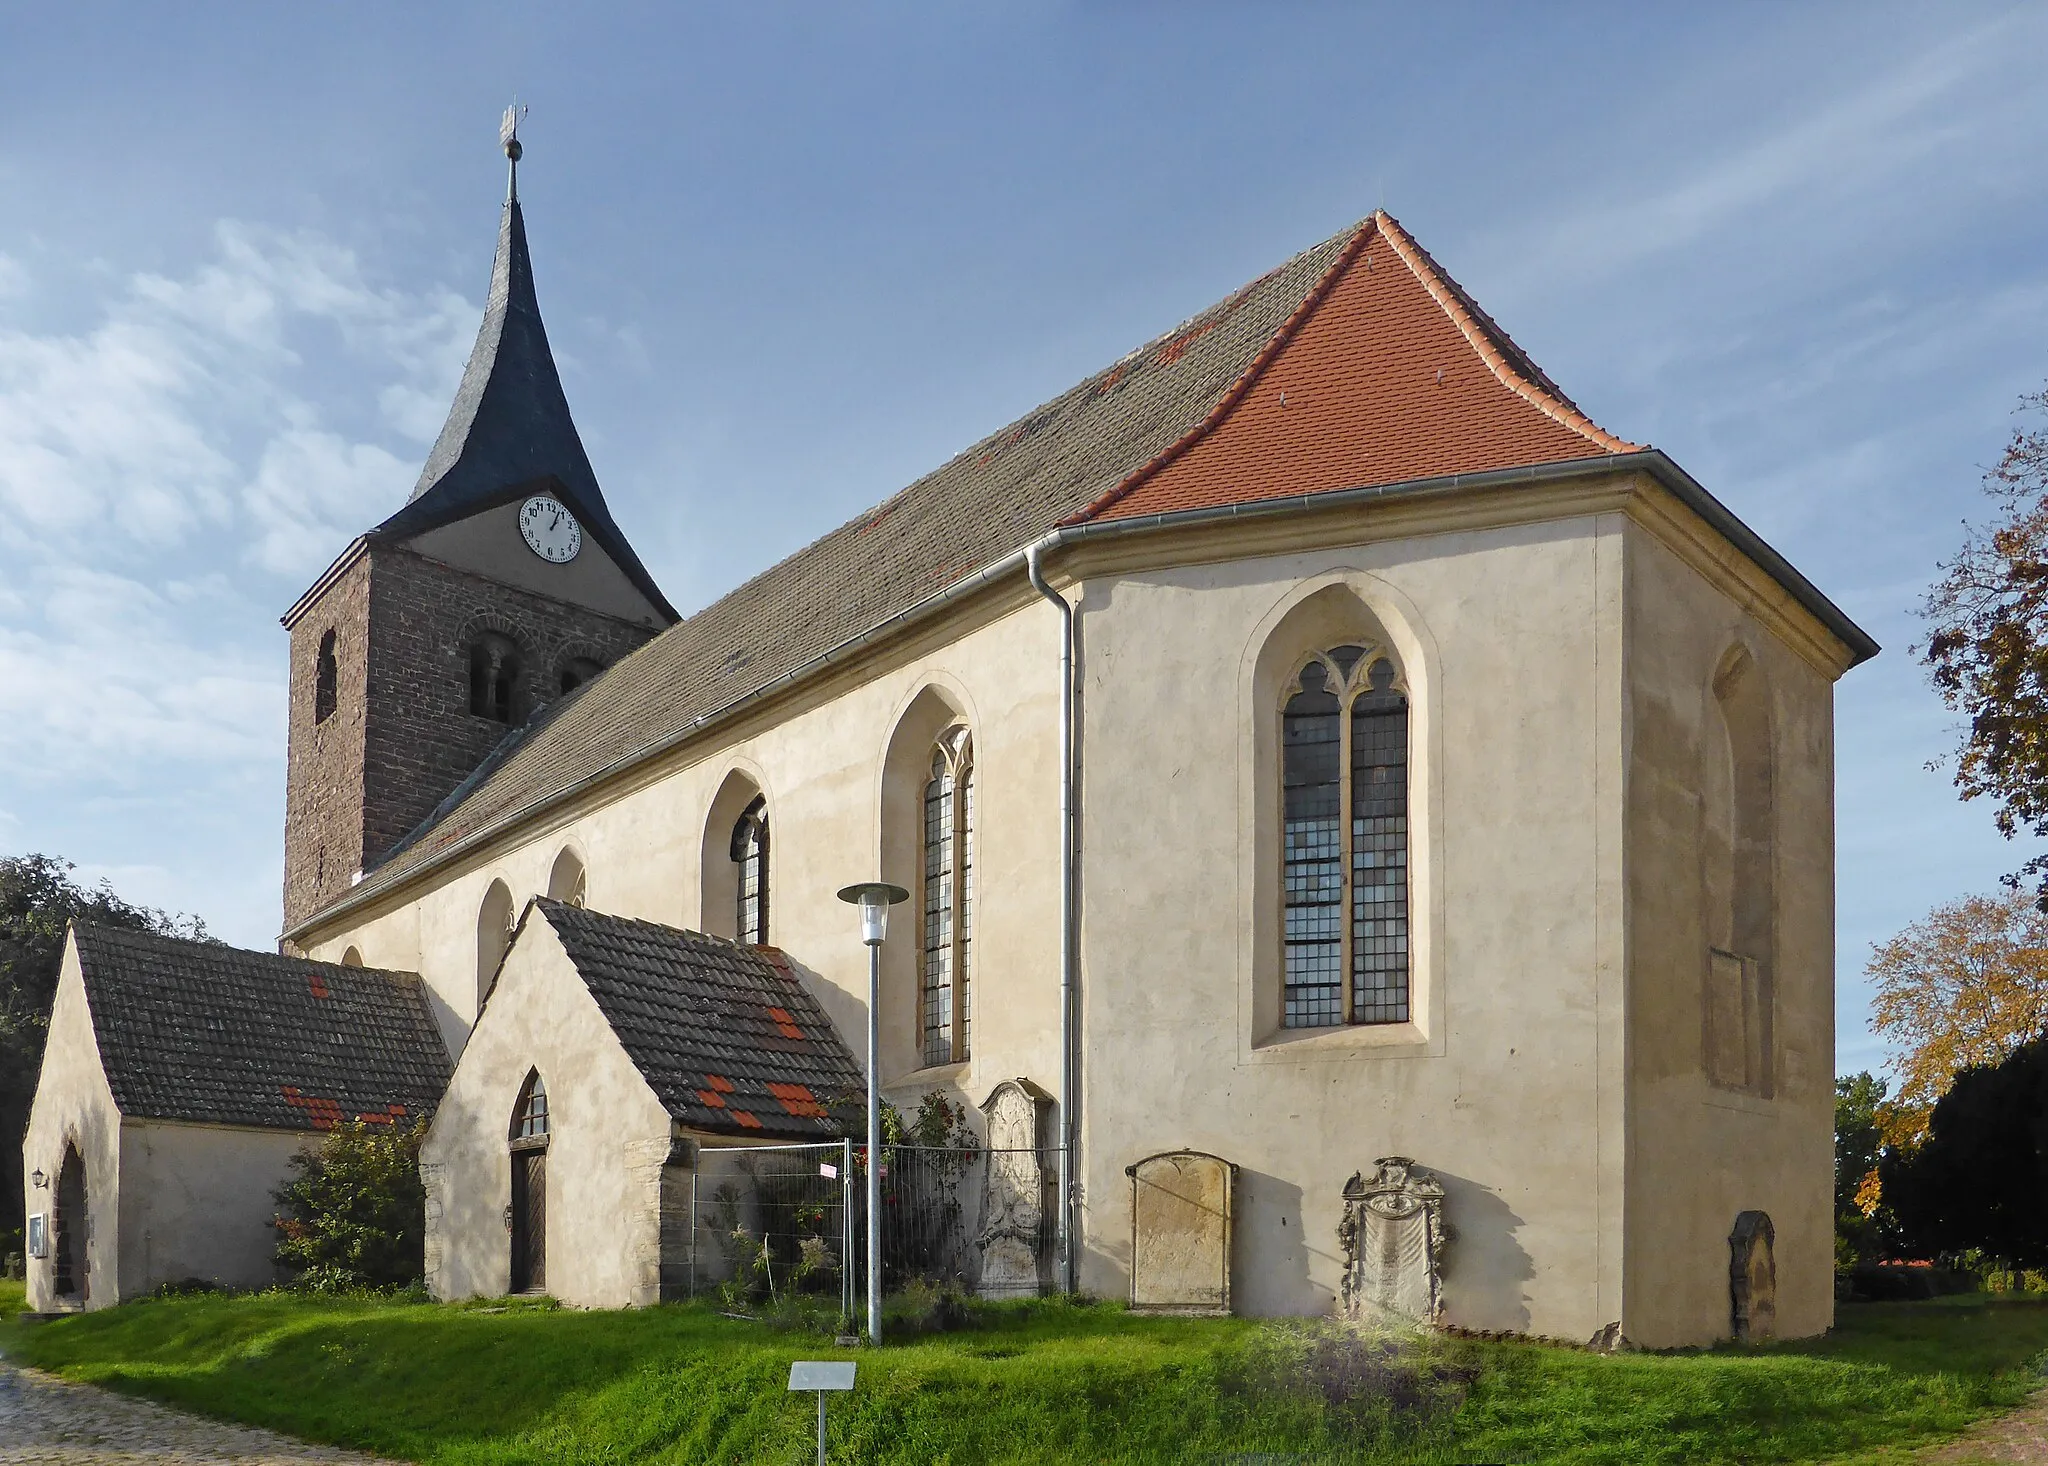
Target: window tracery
x,y
750,855
1344,861
948,900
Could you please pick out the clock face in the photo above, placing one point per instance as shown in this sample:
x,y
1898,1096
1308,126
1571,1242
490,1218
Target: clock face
x,y
551,531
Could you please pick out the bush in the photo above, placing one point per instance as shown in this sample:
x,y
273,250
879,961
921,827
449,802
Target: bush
x,y
355,1213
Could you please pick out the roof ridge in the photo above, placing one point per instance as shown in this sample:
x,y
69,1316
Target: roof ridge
x,y
1360,237
1510,365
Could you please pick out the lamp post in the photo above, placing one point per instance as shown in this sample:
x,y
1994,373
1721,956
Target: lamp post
x,y
874,898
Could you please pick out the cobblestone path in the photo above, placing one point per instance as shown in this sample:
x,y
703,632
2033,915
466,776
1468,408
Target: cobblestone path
x,y
2017,1435
46,1421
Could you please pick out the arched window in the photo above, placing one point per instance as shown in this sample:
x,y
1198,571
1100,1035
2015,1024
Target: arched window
x,y
1344,876
324,678
750,855
493,936
529,1208
494,677
948,900
566,881
352,958
579,670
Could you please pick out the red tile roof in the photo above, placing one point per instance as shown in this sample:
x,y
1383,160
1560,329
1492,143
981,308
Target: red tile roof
x,y
1386,371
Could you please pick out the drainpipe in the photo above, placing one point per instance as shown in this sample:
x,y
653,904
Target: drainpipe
x,y
1069,1131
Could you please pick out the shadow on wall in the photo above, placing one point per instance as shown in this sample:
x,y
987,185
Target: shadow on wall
x,y
848,1011
1272,1251
1487,1269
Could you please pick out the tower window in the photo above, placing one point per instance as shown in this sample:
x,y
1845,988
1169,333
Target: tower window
x,y
324,678
494,677
579,670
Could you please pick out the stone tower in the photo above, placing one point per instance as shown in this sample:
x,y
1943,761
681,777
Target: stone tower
x,y
441,636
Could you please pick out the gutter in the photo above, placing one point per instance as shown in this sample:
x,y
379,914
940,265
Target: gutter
x,y
1650,460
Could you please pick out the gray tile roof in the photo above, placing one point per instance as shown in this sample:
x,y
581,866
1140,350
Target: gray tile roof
x,y
509,433
988,502
725,1035
199,1031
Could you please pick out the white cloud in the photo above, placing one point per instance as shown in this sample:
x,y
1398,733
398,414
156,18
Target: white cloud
x,y
314,489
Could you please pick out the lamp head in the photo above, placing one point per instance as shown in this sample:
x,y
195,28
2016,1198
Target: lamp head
x,y
37,1179
874,898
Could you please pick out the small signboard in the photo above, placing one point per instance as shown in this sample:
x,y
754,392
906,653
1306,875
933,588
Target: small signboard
x,y
821,1374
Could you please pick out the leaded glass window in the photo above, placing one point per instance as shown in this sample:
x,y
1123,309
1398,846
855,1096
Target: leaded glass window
x,y
530,1115
750,854
1344,873
948,900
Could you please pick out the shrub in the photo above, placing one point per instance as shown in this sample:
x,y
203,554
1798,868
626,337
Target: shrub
x,y
355,1211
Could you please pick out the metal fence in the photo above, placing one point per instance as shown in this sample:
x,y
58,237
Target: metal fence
x,y
755,1223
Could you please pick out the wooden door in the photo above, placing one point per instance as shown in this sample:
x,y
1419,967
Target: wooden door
x,y
529,1221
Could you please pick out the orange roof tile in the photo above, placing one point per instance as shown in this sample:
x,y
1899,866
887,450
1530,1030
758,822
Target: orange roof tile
x,y
1386,372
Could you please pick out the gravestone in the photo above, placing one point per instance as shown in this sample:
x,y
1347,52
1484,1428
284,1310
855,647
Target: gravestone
x,y
1181,1209
1393,1237
1014,1204
1753,1277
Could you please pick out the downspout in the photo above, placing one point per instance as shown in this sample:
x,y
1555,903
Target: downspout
x,y
1069,1131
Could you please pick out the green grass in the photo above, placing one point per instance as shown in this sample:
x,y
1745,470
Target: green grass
x,y
13,1297
1034,1383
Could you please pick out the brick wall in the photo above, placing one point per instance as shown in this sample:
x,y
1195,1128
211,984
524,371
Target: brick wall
x,y
402,736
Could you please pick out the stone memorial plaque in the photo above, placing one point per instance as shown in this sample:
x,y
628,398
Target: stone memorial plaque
x,y
1753,1277
1180,1232
1393,1237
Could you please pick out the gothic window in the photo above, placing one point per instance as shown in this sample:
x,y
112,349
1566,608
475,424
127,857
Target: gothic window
x,y
948,900
493,936
750,855
1739,870
530,1115
352,958
579,670
1344,876
324,678
494,677
566,879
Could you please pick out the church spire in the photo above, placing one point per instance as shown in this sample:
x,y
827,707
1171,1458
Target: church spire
x,y
509,431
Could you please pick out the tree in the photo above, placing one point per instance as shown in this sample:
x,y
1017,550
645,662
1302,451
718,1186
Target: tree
x,y
1988,640
38,901
1967,984
1980,1179
1865,1230
355,1210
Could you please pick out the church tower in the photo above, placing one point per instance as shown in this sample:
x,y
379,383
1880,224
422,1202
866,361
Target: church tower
x,y
442,634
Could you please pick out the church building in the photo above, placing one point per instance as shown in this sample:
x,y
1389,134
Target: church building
x,y
1324,764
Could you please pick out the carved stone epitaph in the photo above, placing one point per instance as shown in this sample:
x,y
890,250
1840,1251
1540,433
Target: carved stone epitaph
x,y
1393,1237
1181,1210
1753,1277
1013,1199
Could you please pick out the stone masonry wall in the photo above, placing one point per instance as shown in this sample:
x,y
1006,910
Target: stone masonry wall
x,y
323,800
402,735
422,740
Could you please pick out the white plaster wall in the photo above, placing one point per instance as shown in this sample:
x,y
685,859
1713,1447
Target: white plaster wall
x,y
1698,1155
196,1202
1510,638
821,767
74,1105
608,1138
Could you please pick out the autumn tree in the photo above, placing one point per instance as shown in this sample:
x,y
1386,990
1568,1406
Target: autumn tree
x,y
1987,646
1965,985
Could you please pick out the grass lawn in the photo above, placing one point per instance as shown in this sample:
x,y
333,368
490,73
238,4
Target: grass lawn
x,y
1032,1383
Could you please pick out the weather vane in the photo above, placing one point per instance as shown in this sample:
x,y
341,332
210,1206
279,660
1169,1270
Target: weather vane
x,y
508,138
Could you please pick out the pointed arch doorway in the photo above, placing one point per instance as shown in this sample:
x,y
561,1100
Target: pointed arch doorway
x,y
529,1209
73,1267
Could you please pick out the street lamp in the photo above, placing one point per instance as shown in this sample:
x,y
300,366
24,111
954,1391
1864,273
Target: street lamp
x,y
874,898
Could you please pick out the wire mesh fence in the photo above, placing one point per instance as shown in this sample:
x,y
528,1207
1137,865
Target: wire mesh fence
x,y
753,1223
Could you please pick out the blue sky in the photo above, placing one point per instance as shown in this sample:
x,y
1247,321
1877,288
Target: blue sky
x,y
792,256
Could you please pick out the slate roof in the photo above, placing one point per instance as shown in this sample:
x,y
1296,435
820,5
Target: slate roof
x,y
197,1031
509,433
727,1036
1156,431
